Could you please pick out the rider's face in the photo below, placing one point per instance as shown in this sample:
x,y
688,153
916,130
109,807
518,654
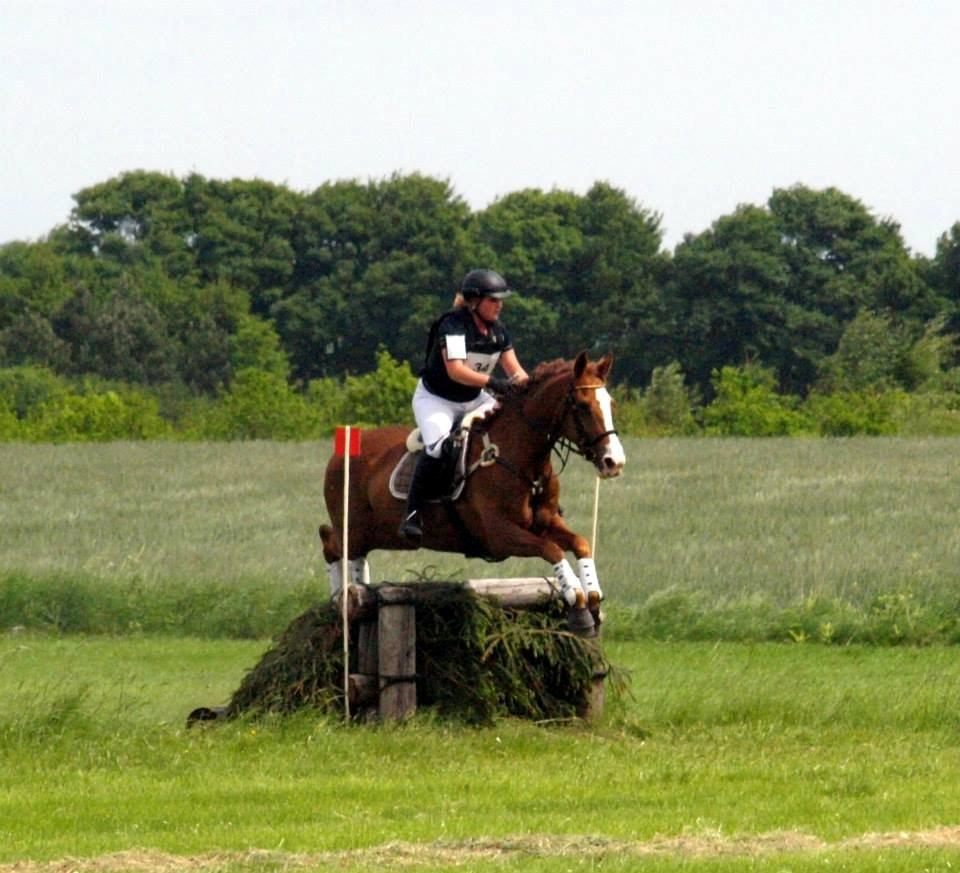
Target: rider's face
x,y
489,309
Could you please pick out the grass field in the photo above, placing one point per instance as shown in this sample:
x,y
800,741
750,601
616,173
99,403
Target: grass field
x,y
138,581
731,756
734,539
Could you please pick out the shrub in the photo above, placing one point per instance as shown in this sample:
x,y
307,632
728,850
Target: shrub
x,y
328,399
848,413
260,405
96,417
380,397
9,423
933,413
746,404
629,416
26,388
668,403
256,345
867,356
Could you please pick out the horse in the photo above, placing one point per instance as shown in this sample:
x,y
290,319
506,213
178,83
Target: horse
x,y
510,501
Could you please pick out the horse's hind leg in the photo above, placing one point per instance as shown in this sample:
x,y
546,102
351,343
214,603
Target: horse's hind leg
x,y
332,553
359,568
330,542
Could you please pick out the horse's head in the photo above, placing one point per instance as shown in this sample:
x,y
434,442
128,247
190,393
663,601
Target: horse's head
x,y
588,418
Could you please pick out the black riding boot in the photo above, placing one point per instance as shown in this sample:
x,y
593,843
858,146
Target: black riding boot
x,y
425,485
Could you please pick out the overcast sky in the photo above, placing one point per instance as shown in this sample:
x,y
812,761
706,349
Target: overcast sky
x,y
690,106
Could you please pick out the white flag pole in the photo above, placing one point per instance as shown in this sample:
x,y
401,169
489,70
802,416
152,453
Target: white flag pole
x,y
596,515
345,572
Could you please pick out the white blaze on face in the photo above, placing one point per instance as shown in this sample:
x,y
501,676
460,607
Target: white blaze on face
x,y
614,448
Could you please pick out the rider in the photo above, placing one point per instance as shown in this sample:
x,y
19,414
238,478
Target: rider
x,y
464,348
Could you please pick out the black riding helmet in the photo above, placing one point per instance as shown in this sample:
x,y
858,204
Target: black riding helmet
x,y
484,283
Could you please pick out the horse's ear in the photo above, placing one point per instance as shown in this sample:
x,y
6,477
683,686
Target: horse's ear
x,y
579,365
604,365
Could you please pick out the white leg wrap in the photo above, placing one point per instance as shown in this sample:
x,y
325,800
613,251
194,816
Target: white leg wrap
x,y
335,571
587,571
359,571
568,582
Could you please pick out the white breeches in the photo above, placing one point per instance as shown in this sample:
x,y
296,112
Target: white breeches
x,y
435,415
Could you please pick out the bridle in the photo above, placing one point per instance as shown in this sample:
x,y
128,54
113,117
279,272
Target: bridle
x,y
584,445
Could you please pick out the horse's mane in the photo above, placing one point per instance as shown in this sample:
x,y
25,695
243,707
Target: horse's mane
x,y
547,369
541,373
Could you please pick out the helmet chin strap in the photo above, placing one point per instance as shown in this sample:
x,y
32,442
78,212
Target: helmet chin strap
x,y
478,316
474,309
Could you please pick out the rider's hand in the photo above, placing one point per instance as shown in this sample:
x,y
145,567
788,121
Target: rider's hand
x,y
498,385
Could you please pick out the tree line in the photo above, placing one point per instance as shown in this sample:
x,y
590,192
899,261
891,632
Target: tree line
x,y
184,283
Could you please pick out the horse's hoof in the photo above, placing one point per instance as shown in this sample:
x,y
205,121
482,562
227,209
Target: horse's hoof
x,y
581,622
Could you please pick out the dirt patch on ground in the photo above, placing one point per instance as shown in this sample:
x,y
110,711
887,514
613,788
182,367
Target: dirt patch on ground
x,y
407,855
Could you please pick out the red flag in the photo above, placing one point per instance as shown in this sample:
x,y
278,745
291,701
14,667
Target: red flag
x,y
340,441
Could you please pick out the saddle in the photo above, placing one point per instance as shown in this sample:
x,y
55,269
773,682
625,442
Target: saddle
x,y
455,450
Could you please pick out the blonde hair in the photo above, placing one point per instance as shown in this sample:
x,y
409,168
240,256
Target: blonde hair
x,y
459,301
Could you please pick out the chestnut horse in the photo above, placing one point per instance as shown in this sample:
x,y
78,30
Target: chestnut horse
x,y
509,506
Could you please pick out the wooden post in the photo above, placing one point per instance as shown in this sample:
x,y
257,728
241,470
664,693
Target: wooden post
x,y
368,654
593,707
397,644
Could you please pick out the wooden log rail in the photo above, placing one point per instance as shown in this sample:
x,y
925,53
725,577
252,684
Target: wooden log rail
x,y
524,592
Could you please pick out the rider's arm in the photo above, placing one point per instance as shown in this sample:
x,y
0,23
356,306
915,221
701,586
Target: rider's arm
x,y
458,370
511,366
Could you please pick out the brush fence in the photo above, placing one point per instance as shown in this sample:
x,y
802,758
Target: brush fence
x,y
383,623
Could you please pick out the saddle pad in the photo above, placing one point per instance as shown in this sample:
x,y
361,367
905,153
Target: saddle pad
x,y
402,476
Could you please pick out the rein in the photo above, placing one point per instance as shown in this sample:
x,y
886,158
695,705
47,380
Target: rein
x,y
562,446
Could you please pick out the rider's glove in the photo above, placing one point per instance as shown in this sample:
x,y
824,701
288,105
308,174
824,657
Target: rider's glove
x,y
498,385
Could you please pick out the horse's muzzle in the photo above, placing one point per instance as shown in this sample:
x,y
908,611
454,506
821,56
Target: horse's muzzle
x,y
608,468
610,460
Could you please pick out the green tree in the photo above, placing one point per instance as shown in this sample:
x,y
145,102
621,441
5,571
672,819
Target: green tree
x,y
727,295
942,273
779,285
255,345
33,279
120,337
592,266
375,263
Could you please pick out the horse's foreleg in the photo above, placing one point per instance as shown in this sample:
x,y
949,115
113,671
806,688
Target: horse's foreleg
x,y
515,541
569,541
358,568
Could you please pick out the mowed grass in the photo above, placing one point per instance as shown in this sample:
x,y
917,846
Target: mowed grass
x,y
730,756
220,539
